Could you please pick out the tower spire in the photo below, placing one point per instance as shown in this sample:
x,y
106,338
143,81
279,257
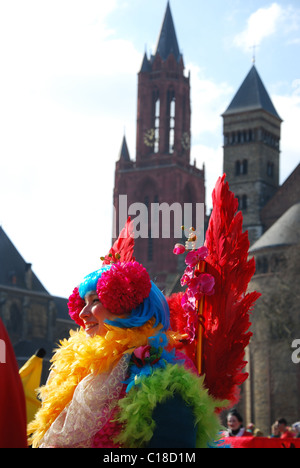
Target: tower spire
x,y
253,53
124,153
251,95
167,42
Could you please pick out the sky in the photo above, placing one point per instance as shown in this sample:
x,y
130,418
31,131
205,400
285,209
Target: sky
x,y
68,94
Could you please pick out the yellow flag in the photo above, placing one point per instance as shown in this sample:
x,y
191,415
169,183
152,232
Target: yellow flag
x,y
30,375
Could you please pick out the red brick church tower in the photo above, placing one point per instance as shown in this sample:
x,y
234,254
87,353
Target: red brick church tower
x,y
161,176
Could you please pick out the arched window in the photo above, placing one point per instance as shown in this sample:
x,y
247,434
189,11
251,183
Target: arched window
x,y
270,169
14,326
156,119
241,167
171,109
244,202
257,266
265,265
244,167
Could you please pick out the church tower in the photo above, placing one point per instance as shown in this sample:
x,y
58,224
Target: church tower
x,y
251,150
161,175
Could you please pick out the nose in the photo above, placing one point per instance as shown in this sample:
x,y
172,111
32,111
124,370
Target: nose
x,y
85,312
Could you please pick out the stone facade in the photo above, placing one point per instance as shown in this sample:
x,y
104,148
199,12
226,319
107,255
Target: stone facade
x,y
274,378
271,215
251,163
287,195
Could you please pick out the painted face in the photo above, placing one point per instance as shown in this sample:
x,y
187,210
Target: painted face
x,y
94,314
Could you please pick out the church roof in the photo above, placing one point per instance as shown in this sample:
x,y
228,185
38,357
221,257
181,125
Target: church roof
x,y
146,65
285,231
124,153
13,267
167,42
252,95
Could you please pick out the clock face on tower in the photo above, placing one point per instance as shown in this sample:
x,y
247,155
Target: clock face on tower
x,y
185,141
149,137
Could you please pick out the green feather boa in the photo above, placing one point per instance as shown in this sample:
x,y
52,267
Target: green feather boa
x,y
137,406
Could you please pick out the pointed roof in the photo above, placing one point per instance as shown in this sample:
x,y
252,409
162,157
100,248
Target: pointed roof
x,y
167,42
146,65
124,153
12,265
252,95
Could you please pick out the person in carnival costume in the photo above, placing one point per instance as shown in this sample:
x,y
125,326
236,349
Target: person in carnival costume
x,y
12,398
128,377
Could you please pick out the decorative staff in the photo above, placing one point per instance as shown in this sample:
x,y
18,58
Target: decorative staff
x,y
198,285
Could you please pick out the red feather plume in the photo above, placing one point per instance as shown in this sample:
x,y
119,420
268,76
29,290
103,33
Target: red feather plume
x,y
227,312
122,249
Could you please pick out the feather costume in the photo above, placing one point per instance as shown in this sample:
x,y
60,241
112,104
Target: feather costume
x,y
129,388
225,313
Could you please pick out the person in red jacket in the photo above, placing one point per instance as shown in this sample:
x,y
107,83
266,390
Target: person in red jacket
x,y
285,433
235,425
12,400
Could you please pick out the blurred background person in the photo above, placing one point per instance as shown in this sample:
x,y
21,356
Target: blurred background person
x,y
285,432
235,425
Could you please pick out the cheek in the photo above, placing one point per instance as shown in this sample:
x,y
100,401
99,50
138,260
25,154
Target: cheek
x,y
100,313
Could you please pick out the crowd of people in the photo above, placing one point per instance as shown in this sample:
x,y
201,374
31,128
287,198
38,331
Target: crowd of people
x,y
280,429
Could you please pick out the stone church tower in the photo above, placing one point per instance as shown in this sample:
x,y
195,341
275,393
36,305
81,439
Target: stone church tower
x,y
162,173
272,217
251,150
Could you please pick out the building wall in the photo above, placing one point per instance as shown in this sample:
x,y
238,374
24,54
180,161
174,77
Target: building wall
x,y
172,185
274,378
32,322
251,163
286,196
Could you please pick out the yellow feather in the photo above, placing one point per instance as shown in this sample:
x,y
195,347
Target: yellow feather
x,y
76,358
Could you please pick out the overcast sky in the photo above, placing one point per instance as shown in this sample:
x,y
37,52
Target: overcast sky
x,y
68,92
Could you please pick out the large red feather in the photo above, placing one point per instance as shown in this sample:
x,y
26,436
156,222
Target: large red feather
x,y
123,246
227,312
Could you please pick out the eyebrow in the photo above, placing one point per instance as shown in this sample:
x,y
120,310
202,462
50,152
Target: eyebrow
x,y
90,294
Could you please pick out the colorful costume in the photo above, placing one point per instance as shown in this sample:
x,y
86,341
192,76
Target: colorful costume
x,y
12,399
138,386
